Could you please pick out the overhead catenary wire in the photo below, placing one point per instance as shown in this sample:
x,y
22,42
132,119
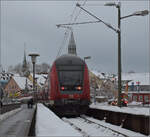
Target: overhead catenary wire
x,y
107,24
78,23
66,34
80,11
62,44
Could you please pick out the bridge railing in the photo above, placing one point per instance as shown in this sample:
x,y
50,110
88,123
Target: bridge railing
x,y
8,107
137,123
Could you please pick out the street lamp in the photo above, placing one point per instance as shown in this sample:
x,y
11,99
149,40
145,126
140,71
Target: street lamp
x,y
33,58
87,57
118,31
141,13
137,13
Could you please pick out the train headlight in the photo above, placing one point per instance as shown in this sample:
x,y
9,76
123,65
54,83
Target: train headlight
x,y
79,88
62,88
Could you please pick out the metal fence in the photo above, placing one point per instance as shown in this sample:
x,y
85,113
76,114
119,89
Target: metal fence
x,y
9,107
137,123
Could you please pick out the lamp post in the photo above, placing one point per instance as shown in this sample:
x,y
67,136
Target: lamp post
x,y
119,49
118,31
33,58
137,13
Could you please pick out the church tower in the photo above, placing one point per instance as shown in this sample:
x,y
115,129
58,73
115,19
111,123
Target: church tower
x,y
25,70
72,45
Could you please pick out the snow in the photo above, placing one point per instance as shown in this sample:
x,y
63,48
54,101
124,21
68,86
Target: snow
x,y
98,74
134,110
48,124
41,78
90,129
143,78
24,98
101,97
103,76
135,103
116,128
8,114
21,81
137,92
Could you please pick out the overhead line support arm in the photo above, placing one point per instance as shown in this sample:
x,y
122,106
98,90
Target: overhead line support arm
x,y
108,25
63,25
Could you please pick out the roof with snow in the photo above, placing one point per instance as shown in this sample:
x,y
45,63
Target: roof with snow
x,y
102,75
143,78
41,78
98,74
21,81
5,76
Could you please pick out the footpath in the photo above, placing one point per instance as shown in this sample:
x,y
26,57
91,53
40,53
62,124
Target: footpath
x,y
17,124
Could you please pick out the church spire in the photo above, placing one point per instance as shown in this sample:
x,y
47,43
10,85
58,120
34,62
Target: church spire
x,y
24,65
72,45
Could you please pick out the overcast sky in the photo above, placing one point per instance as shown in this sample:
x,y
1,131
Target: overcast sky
x,y
34,22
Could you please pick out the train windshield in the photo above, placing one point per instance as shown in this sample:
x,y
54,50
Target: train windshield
x,y
70,75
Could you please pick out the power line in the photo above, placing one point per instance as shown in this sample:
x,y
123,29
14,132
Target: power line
x,y
63,43
66,34
77,23
67,30
80,11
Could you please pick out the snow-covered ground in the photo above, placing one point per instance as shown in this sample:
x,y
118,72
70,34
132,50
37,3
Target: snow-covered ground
x,y
99,128
116,128
48,124
90,129
130,110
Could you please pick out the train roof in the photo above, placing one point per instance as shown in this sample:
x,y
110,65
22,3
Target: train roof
x,y
69,59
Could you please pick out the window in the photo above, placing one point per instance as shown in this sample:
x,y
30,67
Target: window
x,y
141,98
70,75
134,97
146,99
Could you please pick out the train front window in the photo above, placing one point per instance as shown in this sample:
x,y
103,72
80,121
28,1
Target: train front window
x,y
70,75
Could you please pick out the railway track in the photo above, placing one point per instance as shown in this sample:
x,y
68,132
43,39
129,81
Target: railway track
x,y
91,127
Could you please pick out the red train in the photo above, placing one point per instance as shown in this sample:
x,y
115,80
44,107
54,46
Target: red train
x,y
69,89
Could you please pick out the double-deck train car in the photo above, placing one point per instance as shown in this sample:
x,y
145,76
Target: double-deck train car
x,y
69,89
